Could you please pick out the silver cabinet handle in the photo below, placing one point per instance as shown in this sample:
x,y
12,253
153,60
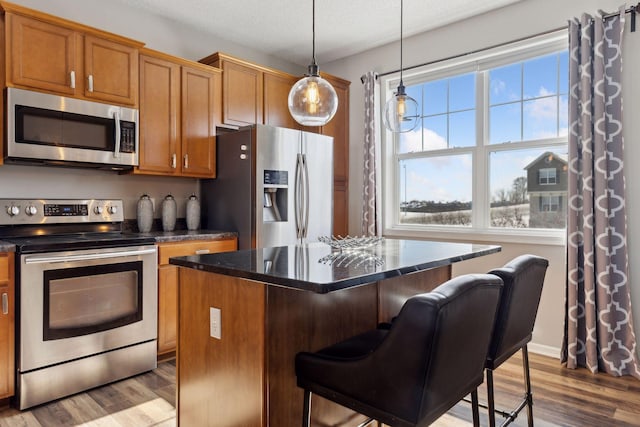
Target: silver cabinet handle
x,y
173,161
73,79
90,78
202,251
186,161
5,303
116,118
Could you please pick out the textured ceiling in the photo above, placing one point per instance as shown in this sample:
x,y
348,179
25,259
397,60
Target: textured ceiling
x,y
343,27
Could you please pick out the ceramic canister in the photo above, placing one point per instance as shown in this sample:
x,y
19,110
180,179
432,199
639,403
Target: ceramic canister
x,y
193,213
144,213
169,209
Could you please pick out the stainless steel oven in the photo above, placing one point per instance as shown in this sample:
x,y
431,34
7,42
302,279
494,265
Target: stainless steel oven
x,y
87,310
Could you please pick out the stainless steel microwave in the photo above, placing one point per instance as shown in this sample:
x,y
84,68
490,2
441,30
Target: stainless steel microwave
x,y
56,130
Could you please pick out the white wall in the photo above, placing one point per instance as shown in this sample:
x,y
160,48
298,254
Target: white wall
x,y
510,23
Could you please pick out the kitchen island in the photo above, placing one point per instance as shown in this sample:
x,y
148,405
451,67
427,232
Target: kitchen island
x,y
244,315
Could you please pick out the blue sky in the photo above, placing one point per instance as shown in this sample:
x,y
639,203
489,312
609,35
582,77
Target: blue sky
x,y
527,101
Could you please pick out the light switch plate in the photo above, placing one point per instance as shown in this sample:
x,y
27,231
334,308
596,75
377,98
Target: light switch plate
x,y
215,323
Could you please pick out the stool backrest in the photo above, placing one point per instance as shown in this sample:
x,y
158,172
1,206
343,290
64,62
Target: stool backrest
x,y
523,278
460,315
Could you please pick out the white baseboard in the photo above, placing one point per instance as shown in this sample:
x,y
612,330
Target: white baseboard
x,y
545,350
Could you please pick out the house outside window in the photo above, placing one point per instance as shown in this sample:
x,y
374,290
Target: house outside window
x,y
485,118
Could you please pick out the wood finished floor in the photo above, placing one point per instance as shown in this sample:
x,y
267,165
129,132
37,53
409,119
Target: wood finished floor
x,y
562,397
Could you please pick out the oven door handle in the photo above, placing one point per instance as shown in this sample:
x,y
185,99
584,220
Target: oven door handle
x,y
41,259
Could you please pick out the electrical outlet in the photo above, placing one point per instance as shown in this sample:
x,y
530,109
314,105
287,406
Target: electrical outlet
x,y
215,324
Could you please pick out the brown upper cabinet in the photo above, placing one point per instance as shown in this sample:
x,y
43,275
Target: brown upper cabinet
x,y
51,54
179,110
252,93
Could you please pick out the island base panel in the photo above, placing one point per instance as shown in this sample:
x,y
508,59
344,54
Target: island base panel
x,y
220,379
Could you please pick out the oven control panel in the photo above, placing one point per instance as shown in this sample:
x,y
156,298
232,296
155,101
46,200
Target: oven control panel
x,y
41,211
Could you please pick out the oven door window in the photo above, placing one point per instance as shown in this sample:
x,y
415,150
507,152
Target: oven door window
x,y
84,300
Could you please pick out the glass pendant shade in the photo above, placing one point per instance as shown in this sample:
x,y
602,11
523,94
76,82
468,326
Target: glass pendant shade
x,y
401,112
312,100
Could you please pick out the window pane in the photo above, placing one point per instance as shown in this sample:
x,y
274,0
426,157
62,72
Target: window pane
x,y
462,129
540,77
434,131
462,92
416,93
504,84
436,190
517,190
504,123
435,97
540,118
410,142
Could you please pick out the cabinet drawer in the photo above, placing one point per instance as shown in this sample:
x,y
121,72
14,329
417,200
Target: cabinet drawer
x,y
4,268
193,247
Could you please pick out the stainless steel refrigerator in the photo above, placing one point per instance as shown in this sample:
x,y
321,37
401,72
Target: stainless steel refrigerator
x,y
273,186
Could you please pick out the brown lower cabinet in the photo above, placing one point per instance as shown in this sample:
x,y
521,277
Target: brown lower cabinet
x,y
168,285
7,323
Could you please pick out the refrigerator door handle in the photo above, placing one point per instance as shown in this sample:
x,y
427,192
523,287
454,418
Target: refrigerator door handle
x,y
298,196
305,226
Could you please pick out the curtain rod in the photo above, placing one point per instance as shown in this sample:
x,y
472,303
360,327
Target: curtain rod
x,y
462,55
632,10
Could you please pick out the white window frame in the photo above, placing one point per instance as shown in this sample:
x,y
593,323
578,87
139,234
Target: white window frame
x,y
553,201
548,176
479,62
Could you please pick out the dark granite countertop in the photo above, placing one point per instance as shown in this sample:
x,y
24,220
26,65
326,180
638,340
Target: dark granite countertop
x,y
7,247
309,266
185,235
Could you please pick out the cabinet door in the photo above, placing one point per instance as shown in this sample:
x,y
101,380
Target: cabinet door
x,y
159,116
199,114
7,326
111,71
42,55
167,308
276,95
241,94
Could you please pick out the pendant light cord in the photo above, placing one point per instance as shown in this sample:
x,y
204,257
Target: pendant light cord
x,y
401,15
313,32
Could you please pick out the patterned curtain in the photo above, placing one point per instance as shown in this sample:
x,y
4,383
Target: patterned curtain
x,y
598,322
371,217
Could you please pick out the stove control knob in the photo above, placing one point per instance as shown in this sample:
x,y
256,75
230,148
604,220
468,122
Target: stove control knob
x,y
31,210
98,210
113,210
13,210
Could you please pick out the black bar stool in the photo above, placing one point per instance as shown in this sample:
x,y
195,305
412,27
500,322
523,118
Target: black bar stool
x,y
414,371
523,278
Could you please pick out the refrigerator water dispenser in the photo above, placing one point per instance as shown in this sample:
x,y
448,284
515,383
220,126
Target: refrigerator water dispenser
x,y
275,196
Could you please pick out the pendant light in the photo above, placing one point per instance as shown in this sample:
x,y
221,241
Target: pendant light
x,y
312,100
401,110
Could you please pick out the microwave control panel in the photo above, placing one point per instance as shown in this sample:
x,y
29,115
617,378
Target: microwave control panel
x,y
127,137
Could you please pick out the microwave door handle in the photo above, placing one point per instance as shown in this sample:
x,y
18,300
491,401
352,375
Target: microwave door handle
x,y
116,118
